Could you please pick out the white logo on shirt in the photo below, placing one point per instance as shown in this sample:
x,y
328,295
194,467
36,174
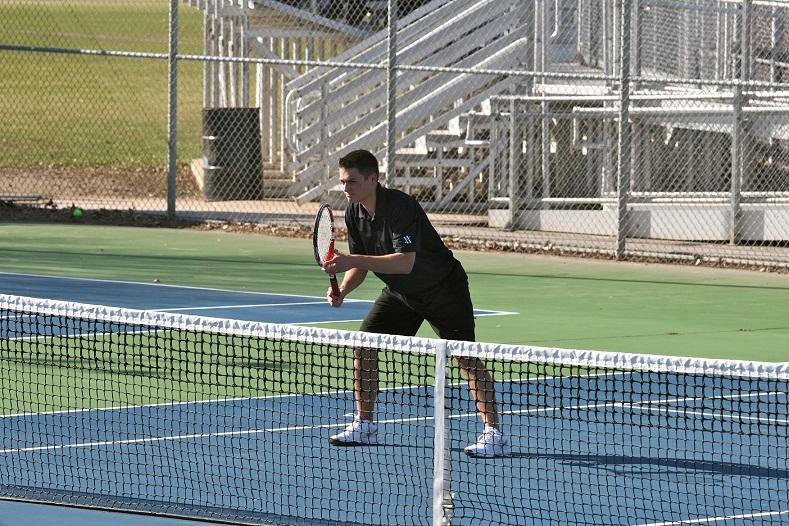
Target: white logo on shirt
x,y
407,240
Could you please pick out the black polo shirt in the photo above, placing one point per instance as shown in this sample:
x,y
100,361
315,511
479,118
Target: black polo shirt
x,y
400,225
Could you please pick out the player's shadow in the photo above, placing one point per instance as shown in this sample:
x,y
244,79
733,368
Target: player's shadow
x,y
638,465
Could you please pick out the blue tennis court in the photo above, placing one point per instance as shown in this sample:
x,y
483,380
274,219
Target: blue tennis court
x,y
248,306
275,449
589,446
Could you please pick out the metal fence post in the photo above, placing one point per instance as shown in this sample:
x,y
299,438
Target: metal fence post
x,y
636,29
777,35
736,163
531,18
324,138
391,89
172,108
739,134
624,141
745,45
515,159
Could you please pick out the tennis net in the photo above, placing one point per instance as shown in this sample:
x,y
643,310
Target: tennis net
x,y
162,413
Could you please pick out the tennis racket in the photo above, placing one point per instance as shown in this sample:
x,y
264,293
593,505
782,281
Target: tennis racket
x,y
323,241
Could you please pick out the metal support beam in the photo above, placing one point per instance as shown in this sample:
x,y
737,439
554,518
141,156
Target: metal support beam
x,y
172,108
391,92
625,139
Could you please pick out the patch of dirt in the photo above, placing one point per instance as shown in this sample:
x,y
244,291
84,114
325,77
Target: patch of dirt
x,y
69,182
14,212
48,212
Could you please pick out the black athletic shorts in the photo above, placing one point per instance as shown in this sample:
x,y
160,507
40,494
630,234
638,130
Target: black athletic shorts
x,y
446,306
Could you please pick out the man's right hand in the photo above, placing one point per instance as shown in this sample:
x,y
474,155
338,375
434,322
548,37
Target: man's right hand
x,y
335,300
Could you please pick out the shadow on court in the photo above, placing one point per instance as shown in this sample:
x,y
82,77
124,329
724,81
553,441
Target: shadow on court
x,y
648,464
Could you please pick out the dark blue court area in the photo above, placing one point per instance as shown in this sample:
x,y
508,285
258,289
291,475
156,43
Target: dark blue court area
x,y
609,449
248,306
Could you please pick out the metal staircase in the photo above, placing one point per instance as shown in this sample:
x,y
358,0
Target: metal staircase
x,y
330,112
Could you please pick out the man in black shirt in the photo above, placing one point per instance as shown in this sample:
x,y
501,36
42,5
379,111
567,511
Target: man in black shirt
x,y
390,234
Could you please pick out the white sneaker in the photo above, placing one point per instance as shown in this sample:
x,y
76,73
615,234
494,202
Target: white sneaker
x,y
358,433
491,443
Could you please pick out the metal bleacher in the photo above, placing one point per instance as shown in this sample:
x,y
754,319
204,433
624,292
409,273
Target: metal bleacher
x,y
529,151
323,112
332,111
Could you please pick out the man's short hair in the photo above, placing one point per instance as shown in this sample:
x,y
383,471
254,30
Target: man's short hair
x,y
362,160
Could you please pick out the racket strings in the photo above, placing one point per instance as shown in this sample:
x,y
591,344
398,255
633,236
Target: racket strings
x,y
325,237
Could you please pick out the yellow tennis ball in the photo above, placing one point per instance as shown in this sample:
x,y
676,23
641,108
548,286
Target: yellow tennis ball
x,y
77,212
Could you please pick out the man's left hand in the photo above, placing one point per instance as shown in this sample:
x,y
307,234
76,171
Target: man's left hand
x,y
339,263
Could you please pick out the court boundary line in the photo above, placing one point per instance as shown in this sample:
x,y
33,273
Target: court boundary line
x,y
320,299
637,406
649,406
277,396
246,306
485,314
707,520
246,432
191,287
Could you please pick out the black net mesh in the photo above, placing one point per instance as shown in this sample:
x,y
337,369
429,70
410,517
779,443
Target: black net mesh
x,y
161,413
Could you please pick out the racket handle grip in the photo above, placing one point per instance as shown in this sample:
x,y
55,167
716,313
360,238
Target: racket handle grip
x,y
334,287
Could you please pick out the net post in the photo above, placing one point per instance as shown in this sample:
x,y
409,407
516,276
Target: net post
x,y
440,488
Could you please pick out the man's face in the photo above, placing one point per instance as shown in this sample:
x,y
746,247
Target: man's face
x,y
356,186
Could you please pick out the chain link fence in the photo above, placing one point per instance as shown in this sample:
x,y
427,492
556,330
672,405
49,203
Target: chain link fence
x,y
622,128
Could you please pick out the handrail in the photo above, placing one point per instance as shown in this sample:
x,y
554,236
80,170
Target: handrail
x,y
447,92
420,92
411,25
372,91
373,50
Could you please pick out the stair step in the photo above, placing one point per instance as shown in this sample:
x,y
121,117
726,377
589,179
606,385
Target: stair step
x,y
410,154
444,133
284,183
276,174
427,162
445,138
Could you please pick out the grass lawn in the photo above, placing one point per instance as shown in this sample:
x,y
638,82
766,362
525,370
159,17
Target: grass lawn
x,y
69,110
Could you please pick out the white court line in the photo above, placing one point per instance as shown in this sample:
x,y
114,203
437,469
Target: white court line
x,y
160,285
195,402
200,436
81,334
476,315
707,414
272,397
322,322
709,520
316,302
321,299
623,405
295,428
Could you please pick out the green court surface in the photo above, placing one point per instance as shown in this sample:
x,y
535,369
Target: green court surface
x,y
558,302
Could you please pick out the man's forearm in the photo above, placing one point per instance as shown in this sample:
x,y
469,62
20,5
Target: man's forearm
x,y
353,278
398,263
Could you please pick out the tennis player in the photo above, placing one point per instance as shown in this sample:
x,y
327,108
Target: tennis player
x,y
390,234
